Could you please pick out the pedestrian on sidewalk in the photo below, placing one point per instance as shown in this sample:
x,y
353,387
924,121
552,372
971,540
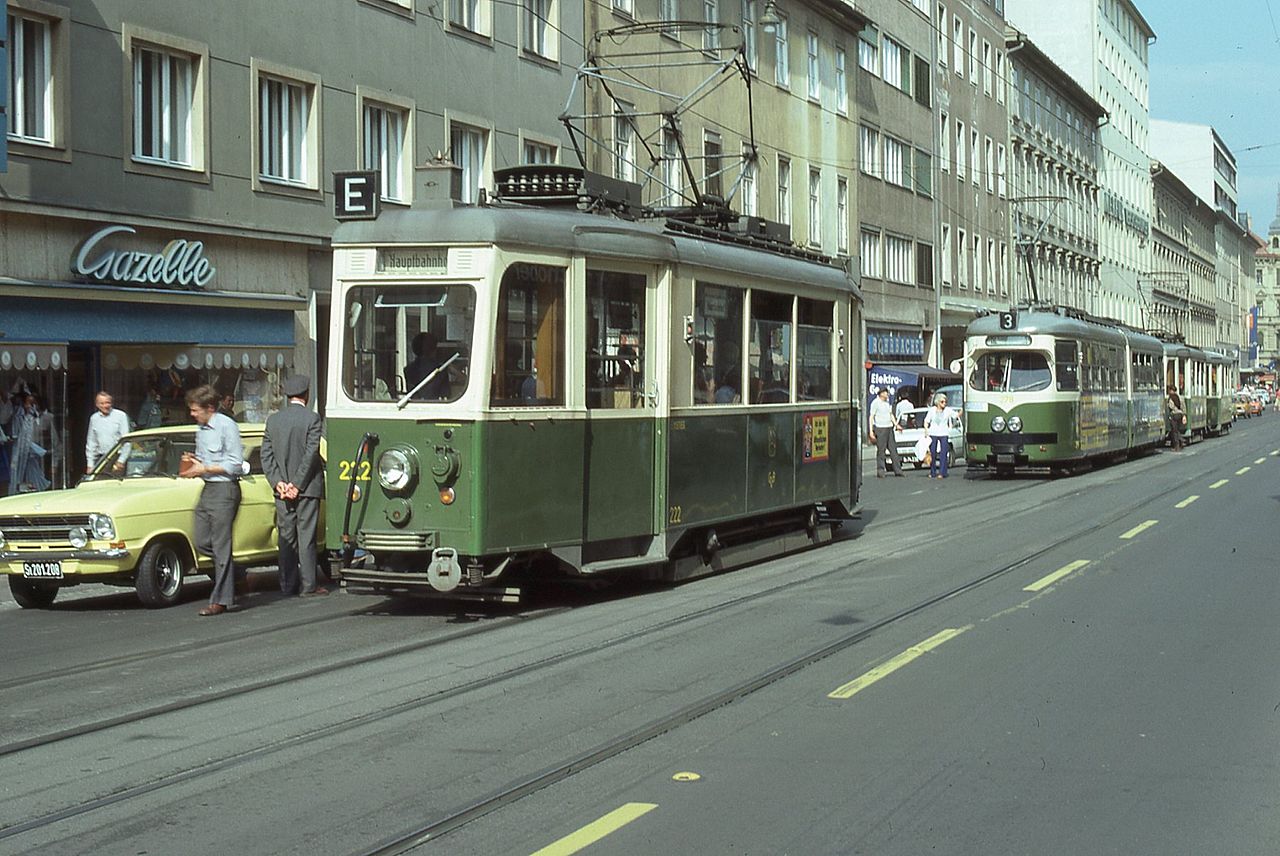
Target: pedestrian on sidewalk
x,y
106,427
881,428
1177,415
291,460
219,461
938,423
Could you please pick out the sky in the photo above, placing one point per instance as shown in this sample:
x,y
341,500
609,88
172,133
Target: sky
x,y
1218,63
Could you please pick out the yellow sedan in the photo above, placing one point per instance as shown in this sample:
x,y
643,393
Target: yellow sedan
x,y
130,523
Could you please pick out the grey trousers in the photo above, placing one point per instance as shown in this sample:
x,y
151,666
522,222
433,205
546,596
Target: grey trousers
x,y
296,522
887,444
215,519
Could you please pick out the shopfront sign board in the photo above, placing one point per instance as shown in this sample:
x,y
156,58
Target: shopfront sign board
x,y
179,264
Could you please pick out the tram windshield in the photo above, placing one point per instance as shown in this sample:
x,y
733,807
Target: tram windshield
x,y
408,340
1011,371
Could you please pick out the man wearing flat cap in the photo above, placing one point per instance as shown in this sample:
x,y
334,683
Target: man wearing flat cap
x,y
291,460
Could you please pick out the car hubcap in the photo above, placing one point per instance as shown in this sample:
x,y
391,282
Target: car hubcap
x,y
170,567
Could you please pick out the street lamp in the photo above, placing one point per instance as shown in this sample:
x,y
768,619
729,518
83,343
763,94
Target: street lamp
x,y
769,18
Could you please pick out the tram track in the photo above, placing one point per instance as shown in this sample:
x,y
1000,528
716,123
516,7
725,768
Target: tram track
x,y
516,789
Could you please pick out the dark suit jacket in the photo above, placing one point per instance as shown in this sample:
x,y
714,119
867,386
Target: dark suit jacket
x,y
291,450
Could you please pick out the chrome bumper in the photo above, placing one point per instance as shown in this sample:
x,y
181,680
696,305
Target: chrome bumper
x,y
58,555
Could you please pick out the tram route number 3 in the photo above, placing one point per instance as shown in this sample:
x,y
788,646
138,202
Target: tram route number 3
x,y
1008,320
348,468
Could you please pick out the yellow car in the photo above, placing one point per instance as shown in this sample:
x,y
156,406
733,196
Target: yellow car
x,y
131,523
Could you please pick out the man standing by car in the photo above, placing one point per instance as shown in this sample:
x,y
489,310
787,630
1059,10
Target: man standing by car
x,y
106,427
881,426
219,460
291,460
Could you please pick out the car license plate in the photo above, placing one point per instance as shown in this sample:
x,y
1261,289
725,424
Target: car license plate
x,y
42,570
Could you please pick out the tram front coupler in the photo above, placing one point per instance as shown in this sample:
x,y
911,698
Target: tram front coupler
x,y
444,573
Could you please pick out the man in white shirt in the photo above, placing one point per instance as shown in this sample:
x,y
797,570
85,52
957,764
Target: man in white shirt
x,y
106,427
881,426
903,407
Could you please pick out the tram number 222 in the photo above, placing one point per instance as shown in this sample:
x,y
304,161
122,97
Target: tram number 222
x,y
346,469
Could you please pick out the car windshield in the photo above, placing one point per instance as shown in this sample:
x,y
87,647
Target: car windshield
x,y
408,343
143,457
1011,371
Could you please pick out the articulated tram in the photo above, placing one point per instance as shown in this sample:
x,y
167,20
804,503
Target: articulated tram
x,y
521,387
1049,388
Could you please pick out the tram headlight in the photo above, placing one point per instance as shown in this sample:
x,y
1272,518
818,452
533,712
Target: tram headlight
x,y
997,424
397,469
1015,424
102,527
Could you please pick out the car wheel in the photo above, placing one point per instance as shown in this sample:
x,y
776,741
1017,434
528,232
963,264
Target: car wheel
x,y
32,594
162,572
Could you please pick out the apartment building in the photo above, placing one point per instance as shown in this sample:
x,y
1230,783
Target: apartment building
x,y
167,206
973,102
1182,279
1267,286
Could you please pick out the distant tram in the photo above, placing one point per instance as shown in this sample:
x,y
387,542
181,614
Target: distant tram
x,y
1048,389
521,387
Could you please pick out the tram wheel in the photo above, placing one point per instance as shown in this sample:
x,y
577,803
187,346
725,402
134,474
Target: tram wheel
x,y
32,594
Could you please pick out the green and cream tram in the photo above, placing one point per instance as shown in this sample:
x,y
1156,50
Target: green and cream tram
x,y
1205,381
521,388
1047,389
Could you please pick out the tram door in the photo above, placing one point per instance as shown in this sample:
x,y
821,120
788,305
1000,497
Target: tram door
x,y
621,397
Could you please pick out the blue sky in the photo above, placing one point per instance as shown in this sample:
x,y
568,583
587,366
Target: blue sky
x,y
1219,64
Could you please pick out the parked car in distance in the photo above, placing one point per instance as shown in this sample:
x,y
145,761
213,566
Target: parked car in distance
x,y
131,525
1255,405
1242,407
913,429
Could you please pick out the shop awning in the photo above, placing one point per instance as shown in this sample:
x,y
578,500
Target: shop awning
x,y
182,357
32,355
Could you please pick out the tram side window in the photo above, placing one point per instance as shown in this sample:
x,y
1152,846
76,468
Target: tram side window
x,y
408,339
769,348
528,354
717,344
1066,355
813,349
615,339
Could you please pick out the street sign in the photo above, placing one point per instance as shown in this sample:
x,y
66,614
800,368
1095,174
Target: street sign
x,y
355,195
1008,320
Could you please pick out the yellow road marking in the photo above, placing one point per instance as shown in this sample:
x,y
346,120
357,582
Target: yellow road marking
x,y
1260,461
1276,452
866,679
1187,501
1219,483
1139,529
1243,470
1045,582
594,831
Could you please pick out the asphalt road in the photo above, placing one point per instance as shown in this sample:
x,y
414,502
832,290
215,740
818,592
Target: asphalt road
x,y
1127,704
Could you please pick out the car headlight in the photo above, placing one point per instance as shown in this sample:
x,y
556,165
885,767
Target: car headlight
x,y
78,536
997,424
396,469
1015,423
102,527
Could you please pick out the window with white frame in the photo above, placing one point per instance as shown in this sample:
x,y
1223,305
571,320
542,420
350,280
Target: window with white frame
x,y
784,190
814,78
671,173
957,45
869,50
815,208
1001,165
869,253
286,144
896,154
962,267
976,255
384,137
1004,268
842,83
623,6
962,144
986,66
470,15
539,28
163,98
711,164
781,54
944,141
989,164
750,186
534,152
711,33
469,146
974,154
942,35
891,60
869,150
842,215
899,266
924,264
922,172
973,57
1000,81
991,265
30,79
945,252
749,45
624,142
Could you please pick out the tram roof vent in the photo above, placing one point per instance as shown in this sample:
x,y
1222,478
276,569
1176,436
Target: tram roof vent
x,y
555,185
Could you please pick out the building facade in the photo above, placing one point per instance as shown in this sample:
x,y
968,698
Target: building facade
x,y
1054,176
1103,45
1182,279
1267,288
168,201
973,85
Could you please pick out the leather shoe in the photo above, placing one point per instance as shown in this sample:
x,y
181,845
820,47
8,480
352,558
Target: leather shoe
x,y
213,609
316,592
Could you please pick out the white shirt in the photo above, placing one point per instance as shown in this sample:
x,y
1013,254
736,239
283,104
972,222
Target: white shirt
x,y
938,422
903,408
881,414
104,432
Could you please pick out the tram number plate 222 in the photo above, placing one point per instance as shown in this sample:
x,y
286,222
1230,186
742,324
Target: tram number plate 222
x,y
348,469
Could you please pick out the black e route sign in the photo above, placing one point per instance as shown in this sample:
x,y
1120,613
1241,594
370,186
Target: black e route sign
x,y
355,195
1008,320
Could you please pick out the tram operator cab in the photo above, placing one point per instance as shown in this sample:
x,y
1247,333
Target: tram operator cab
x,y
517,387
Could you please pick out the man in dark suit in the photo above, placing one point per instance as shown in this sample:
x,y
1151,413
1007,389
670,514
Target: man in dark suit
x,y
291,460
